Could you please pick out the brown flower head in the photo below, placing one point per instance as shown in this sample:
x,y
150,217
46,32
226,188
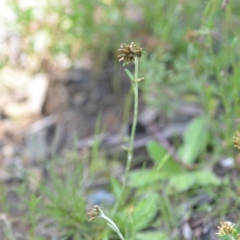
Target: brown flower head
x,y
94,213
225,229
127,53
236,140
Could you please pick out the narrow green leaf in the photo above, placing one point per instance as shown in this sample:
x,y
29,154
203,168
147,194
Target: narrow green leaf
x,y
116,187
130,75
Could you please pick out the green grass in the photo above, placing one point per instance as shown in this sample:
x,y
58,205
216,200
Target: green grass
x,y
63,198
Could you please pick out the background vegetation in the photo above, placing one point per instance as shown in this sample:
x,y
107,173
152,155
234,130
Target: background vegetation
x,y
192,59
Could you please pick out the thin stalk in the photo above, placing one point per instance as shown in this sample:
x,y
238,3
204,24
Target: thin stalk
x,y
113,226
132,136
134,124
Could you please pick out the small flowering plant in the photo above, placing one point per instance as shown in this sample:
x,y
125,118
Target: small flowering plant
x,y
236,140
127,53
96,213
228,229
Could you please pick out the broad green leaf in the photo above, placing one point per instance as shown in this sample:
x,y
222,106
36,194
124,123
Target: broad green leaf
x,y
204,178
195,140
182,182
130,75
156,151
145,211
145,177
163,161
151,235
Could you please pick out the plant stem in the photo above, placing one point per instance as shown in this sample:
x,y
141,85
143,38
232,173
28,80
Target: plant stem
x,y
132,136
112,225
134,123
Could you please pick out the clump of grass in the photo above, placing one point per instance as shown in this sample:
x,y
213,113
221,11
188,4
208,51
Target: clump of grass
x,y
63,201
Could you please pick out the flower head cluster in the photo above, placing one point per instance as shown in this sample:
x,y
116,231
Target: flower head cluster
x,y
236,140
226,229
97,212
94,213
127,53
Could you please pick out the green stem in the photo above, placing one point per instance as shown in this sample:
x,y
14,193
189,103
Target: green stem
x,y
113,226
134,124
132,136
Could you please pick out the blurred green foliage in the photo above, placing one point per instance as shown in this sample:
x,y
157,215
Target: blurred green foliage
x,y
200,65
192,56
69,28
